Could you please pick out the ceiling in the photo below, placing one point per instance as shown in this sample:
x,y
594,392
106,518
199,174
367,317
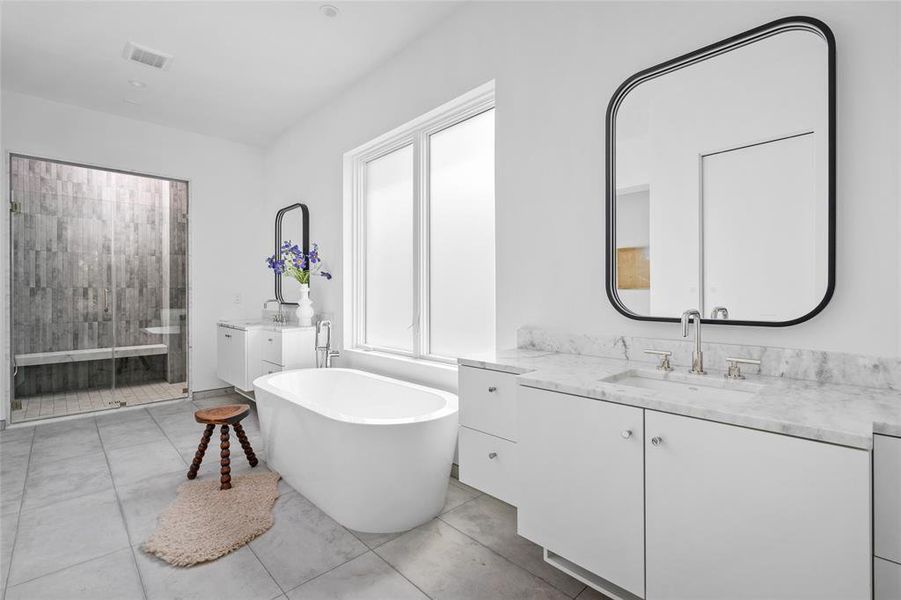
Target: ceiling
x,y
244,71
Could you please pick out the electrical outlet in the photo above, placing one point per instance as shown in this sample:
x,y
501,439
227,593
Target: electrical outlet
x,y
237,299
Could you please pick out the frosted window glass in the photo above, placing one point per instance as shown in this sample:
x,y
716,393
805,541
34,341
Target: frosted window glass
x,y
461,238
389,250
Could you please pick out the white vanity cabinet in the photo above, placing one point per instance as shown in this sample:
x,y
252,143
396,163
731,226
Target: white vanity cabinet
x,y
247,352
639,503
739,513
237,353
487,443
887,516
582,483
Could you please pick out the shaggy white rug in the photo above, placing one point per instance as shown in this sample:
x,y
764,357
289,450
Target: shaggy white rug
x,y
204,523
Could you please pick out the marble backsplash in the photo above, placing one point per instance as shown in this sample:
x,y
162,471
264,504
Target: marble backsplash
x,y
792,363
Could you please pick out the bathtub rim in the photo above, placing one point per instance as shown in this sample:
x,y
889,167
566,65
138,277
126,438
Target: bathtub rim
x,y
451,402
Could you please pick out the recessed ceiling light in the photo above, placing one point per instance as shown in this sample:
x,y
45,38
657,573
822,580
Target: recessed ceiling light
x,y
136,83
130,101
329,10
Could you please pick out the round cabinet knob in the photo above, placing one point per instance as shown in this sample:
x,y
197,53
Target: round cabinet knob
x,y
492,455
627,433
656,440
492,389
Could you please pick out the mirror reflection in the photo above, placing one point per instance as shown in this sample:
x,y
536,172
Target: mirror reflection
x,y
721,184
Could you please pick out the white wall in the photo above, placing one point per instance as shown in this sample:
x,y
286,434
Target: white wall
x,y
556,66
229,234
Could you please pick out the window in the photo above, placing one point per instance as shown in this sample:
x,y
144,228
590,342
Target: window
x,y
419,210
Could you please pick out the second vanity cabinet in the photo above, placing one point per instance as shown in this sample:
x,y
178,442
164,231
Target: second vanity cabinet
x,y
647,504
246,352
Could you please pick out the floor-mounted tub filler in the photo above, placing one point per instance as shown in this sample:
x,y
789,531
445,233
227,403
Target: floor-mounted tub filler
x,y
372,452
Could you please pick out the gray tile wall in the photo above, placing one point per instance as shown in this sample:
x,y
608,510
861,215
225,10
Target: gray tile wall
x,y
76,225
178,278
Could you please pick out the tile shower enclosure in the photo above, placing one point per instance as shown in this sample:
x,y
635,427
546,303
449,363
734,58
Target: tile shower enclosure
x,y
99,265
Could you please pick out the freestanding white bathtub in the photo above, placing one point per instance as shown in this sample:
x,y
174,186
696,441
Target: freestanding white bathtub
x,y
374,453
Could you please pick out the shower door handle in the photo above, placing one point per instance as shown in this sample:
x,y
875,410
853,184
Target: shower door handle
x,y
106,300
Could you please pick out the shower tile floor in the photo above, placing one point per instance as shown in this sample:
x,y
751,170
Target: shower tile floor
x,y
70,403
80,496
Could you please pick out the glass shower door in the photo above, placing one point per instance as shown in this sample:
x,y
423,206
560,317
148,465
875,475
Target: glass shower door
x,y
61,294
150,284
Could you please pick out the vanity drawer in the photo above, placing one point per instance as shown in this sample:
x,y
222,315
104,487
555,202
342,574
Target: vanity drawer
x,y
887,497
488,401
271,342
887,582
267,368
488,463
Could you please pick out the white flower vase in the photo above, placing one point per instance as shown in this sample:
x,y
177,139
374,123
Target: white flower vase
x,y
305,310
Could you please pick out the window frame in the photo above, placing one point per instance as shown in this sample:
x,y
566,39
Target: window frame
x,y
417,134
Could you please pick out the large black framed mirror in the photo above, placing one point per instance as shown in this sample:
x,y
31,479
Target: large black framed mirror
x,y
721,181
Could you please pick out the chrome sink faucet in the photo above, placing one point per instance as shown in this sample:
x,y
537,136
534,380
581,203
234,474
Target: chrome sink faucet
x,y
697,357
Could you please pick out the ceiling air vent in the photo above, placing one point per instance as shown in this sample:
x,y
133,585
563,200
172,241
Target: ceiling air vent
x,y
146,56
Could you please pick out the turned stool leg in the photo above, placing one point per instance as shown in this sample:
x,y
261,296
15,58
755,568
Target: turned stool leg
x,y
245,443
201,450
225,479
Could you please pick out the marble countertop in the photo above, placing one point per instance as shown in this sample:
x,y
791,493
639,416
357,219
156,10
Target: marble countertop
x,y
247,325
839,414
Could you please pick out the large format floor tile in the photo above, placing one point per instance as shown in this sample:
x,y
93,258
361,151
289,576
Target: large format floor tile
x,y
144,501
13,471
110,577
304,542
65,479
235,576
134,463
66,533
492,523
366,577
445,563
458,494
130,428
8,524
65,439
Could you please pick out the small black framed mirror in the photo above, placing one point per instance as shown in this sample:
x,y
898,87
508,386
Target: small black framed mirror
x,y
279,239
721,181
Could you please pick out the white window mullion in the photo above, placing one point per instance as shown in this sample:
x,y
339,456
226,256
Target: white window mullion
x,y
423,250
417,245
359,250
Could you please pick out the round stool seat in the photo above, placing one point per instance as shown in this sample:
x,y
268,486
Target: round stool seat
x,y
228,414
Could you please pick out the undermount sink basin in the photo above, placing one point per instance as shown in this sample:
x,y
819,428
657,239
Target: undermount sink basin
x,y
685,385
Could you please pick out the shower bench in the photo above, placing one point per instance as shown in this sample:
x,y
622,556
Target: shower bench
x,y
52,358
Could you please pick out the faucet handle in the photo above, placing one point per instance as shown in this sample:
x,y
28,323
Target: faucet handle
x,y
664,358
734,369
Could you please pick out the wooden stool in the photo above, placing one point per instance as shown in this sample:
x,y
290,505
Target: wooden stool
x,y
230,414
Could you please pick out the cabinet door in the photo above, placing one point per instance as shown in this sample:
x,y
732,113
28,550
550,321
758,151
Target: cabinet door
x,y
581,479
231,357
737,513
887,500
224,354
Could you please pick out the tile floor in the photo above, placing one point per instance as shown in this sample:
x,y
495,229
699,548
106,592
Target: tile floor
x,y
79,497
81,401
